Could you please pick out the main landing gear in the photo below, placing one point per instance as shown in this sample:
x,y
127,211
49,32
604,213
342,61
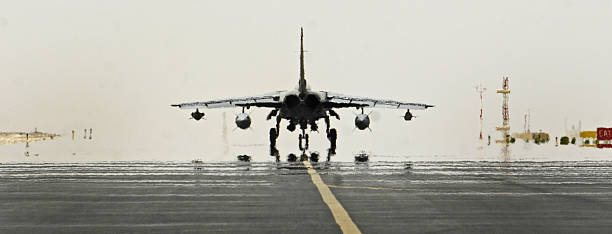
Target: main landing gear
x,y
273,150
332,136
303,139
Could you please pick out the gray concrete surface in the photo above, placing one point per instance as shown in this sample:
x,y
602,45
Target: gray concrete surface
x,y
473,197
381,197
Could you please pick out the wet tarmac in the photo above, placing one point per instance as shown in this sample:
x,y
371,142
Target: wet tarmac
x,y
269,197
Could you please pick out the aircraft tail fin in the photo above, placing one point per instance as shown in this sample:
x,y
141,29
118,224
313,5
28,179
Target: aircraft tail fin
x,y
302,84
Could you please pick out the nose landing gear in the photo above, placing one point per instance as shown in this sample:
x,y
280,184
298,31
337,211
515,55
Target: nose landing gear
x,y
304,137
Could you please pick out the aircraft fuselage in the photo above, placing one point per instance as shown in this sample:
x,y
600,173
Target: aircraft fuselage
x,y
303,108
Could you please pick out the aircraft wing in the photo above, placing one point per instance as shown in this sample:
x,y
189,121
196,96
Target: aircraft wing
x,y
271,100
335,100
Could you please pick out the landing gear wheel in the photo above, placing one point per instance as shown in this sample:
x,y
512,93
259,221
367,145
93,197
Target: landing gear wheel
x,y
300,137
274,152
291,158
273,136
304,157
314,157
332,136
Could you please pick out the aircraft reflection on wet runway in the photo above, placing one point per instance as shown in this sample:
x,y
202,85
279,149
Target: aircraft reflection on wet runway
x,y
234,168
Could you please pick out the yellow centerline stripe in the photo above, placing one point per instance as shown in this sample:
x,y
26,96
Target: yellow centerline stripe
x,y
340,215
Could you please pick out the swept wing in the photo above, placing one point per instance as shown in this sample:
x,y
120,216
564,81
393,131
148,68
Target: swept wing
x,y
335,100
271,100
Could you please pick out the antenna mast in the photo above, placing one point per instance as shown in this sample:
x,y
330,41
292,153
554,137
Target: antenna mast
x,y
505,128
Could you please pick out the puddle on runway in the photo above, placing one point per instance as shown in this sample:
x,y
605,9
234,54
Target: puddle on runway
x,y
131,171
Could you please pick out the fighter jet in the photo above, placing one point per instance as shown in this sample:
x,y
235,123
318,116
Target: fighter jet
x,y
302,107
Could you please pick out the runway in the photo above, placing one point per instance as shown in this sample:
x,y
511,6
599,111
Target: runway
x,y
269,197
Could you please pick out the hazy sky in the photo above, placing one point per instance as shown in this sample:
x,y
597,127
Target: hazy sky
x,y
116,66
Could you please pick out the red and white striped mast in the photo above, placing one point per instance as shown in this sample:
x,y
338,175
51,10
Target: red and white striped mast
x,y
505,128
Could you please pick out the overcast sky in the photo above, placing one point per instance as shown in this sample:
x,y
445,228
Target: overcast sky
x,y
116,66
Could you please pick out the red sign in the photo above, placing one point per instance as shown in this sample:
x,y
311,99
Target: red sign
x,y
604,145
604,134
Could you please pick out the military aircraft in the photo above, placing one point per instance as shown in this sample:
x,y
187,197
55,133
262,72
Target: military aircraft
x,y
303,107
